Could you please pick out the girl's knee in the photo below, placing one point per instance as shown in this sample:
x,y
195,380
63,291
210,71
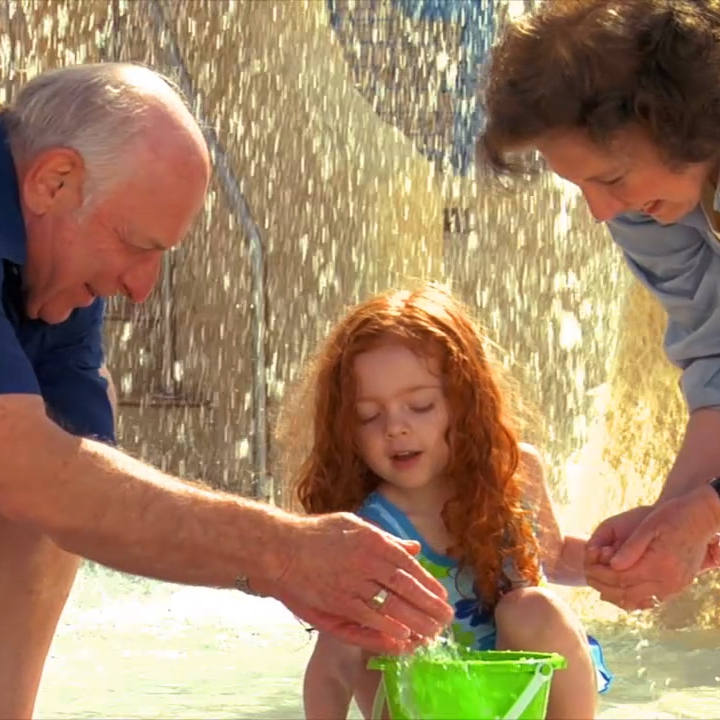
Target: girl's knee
x,y
533,612
527,604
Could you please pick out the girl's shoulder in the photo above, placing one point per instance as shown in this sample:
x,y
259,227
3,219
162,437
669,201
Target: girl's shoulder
x,y
531,470
530,458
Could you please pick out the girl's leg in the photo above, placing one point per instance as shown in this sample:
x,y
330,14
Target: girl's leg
x,y
535,619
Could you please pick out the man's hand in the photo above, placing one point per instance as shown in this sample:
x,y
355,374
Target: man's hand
x,y
712,554
662,556
347,631
339,563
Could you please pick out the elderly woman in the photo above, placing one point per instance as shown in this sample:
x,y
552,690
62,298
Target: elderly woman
x,y
622,98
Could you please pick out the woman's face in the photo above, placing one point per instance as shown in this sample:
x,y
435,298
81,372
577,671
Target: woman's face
x,y
629,175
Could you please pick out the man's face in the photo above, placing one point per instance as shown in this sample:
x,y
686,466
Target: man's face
x,y
115,245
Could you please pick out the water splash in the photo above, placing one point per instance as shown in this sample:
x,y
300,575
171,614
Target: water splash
x,y
443,650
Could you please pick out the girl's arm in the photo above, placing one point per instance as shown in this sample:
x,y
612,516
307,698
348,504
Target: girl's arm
x,y
330,679
562,556
335,674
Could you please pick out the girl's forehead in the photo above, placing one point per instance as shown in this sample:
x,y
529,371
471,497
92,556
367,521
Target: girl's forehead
x,y
393,369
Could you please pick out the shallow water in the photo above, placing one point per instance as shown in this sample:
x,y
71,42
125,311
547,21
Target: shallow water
x,y
139,649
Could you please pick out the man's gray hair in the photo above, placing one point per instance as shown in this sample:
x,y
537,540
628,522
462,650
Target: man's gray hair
x,y
99,110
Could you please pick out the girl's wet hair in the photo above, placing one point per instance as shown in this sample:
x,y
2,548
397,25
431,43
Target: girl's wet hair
x,y
601,66
485,518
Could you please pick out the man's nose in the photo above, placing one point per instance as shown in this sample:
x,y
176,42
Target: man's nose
x,y
141,277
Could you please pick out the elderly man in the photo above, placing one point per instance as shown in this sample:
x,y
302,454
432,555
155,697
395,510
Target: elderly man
x,y
102,169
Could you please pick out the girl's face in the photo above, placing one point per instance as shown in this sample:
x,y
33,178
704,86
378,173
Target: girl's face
x,y
402,417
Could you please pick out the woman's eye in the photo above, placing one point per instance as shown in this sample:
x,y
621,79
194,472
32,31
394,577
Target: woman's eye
x,y
614,181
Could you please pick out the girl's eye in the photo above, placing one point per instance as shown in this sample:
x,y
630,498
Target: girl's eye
x,y
367,420
424,409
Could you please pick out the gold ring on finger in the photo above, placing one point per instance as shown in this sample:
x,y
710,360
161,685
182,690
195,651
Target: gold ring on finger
x,y
379,599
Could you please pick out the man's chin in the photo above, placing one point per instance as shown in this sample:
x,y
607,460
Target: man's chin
x,y
58,307
54,317
51,313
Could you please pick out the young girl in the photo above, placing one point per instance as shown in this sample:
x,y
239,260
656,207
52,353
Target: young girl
x,y
411,431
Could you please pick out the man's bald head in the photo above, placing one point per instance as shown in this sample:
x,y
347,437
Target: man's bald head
x,y
105,112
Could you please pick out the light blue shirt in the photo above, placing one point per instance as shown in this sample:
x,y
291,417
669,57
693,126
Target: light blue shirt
x,y
680,265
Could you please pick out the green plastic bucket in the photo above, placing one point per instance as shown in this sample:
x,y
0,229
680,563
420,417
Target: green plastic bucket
x,y
490,685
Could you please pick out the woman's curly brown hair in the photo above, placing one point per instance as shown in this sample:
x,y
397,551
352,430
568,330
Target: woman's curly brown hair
x,y
600,66
485,517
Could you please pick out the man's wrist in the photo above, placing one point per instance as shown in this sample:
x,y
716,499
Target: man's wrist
x,y
714,483
243,584
714,503
709,495
278,555
275,547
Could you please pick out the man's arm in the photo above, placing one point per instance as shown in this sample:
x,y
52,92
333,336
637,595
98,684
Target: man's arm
x,y
683,272
96,501
106,506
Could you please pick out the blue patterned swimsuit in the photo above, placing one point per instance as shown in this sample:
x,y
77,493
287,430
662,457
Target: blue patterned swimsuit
x,y
472,626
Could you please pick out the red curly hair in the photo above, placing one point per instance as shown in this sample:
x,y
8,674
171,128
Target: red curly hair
x,y
484,517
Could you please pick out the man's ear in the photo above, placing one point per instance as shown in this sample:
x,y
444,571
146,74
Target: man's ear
x,y
53,180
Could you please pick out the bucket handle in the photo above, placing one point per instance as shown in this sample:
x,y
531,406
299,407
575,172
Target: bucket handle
x,y
379,701
542,675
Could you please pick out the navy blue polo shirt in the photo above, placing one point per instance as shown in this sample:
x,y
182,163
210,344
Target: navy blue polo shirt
x,y
59,362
